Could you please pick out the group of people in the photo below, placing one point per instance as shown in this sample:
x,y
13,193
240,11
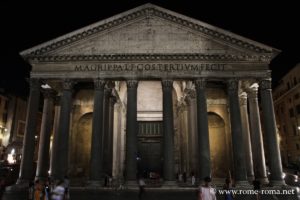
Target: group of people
x,y
182,177
48,190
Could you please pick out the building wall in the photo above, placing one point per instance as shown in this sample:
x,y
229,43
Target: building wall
x,y
4,136
287,109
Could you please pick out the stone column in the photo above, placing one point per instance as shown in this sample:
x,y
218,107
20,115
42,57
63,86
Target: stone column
x,y
112,101
274,159
168,128
246,136
257,139
203,136
46,128
27,164
106,119
237,134
55,127
96,163
131,132
192,135
61,138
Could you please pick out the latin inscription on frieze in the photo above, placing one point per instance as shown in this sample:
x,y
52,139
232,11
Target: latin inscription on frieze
x,y
145,67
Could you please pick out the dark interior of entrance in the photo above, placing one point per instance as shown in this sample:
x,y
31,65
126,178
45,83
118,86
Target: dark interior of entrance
x,y
149,148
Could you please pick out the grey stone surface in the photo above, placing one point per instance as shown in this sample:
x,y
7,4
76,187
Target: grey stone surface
x,y
131,131
44,143
168,131
60,147
246,134
256,136
240,170
203,135
96,163
268,115
27,163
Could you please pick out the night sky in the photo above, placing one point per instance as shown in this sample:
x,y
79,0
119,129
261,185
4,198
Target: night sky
x,y
274,23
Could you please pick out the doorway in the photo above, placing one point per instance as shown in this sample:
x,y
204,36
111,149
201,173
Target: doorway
x,y
149,148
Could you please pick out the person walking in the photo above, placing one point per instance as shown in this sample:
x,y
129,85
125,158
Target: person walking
x,y
67,190
59,191
142,185
38,190
206,192
193,179
228,187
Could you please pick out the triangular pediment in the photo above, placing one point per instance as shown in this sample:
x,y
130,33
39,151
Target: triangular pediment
x,y
149,29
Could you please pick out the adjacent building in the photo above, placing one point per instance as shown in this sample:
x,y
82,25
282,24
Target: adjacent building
x,y
13,109
287,108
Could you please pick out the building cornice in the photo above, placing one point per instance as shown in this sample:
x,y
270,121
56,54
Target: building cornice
x,y
151,57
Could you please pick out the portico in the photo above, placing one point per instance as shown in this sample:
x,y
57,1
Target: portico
x,y
195,74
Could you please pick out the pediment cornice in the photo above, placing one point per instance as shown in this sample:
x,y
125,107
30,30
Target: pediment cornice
x,y
152,57
144,12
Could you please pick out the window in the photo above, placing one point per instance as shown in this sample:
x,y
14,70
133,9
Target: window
x,y
291,111
297,146
296,96
298,109
295,130
6,105
290,100
288,86
295,81
4,118
284,129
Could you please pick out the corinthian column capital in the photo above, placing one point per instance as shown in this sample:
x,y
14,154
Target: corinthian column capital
x,y
265,84
243,98
68,84
252,91
132,83
99,84
200,83
232,84
167,83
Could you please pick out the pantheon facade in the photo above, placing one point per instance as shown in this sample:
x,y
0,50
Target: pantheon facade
x,y
151,90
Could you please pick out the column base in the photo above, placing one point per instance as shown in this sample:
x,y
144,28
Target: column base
x,y
243,184
264,181
251,178
167,184
131,184
20,185
44,179
277,183
94,183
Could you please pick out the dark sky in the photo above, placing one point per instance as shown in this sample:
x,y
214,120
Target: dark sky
x,y
274,23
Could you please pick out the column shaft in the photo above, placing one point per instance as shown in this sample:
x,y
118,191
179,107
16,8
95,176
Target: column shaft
x,y
257,140
246,134
112,101
61,138
274,159
131,130
193,154
236,133
46,128
106,119
168,128
27,164
203,136
96,163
